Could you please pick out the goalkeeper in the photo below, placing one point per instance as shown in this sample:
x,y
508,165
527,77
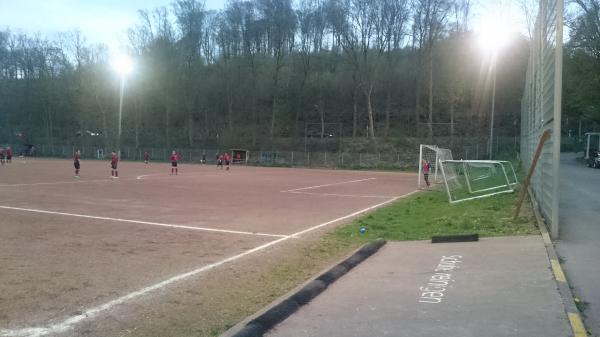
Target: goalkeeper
x,y
426,168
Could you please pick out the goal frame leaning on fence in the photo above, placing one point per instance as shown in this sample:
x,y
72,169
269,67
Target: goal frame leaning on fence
x,y
506,187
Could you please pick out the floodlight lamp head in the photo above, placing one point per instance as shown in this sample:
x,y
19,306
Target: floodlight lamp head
x,y
494,34
122,64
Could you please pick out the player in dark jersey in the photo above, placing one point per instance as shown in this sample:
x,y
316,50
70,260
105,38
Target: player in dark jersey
x,y
146,157
114,160
174,159
76,162
220,161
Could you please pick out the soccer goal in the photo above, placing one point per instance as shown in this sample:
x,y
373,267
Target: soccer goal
x,y
240,156
475,179
432,155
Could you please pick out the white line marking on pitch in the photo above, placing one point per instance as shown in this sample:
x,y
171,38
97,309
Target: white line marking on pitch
x,y
183,175
57,183
343,195
332,184
68,323
142,222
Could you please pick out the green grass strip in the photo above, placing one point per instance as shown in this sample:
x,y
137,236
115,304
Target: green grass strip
x,y
428,213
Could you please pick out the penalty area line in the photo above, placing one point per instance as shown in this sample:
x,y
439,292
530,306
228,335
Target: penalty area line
x,y
206,229
343,195
325,185
182,175
90,313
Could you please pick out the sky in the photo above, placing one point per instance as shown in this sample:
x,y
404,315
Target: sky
x,y
100,21
107,21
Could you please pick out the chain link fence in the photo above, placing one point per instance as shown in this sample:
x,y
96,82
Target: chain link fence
x,y
541,108
393,159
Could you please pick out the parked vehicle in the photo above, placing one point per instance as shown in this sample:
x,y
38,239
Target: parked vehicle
x,y
593,159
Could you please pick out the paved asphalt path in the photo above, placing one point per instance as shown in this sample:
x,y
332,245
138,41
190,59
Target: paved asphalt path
x,y
497,287
579,238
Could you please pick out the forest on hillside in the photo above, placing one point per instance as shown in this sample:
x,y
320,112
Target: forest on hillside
x,y
274,73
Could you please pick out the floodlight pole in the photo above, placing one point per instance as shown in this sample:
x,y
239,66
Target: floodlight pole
x,y
491,142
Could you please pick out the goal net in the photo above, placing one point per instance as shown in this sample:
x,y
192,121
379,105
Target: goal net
x,y
474,179
429,163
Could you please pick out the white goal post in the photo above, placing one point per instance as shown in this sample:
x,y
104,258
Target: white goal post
x,y
475,179
433,155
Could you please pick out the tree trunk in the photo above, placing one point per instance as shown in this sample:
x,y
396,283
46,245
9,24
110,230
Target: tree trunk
x,y
255,119
50,127
430,105
388,108
137,126
452,107
417,104
368,93
322,114
190,129
230,110
321,107
354,112
299,108
167,115
104,124
274,96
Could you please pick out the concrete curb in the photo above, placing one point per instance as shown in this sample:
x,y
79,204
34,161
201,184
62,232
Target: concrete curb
x,y
261,322
564,289
455,238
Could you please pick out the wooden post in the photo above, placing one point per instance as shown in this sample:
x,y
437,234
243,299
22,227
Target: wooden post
x,y
536,157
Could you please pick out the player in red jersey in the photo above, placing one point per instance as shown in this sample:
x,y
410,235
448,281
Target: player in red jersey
x,y
174,158
114,160
146,157
227,160
8,155
426,169
76,163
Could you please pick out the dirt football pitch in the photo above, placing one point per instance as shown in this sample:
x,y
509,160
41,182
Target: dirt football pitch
x,y
81,257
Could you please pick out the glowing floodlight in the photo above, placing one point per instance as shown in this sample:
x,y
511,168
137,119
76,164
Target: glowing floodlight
x,y
122,64
494,33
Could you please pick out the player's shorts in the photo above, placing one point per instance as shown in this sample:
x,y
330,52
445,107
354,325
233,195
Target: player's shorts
x,y
174,164
113,165
227,162
9,157
219,162
76,164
